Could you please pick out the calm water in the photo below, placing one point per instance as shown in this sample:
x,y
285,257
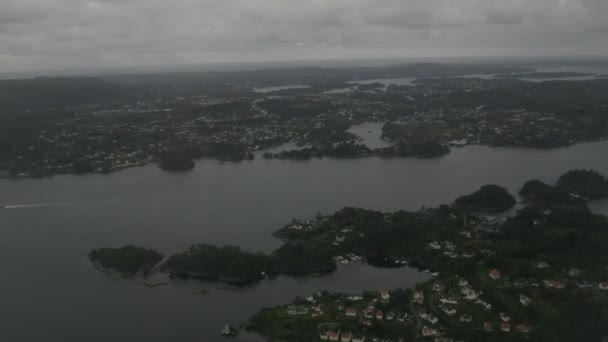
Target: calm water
x,y
51,292
277,88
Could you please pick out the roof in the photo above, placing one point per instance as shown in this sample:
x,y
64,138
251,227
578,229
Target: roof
x,y
487,326
494,273
352,311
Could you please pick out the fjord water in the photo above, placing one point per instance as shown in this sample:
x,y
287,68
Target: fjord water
x,y
51,292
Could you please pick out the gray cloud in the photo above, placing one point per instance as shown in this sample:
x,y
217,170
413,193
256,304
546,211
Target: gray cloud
x,y
48,34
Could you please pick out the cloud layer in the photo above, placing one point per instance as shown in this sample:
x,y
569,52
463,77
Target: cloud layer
x,y
47,34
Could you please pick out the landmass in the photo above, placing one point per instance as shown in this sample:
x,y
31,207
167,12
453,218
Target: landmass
x,y
127,260
487,198
586,183
52,126
548,75
228,264
540,274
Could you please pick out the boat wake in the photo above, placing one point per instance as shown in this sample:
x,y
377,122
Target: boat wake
x,y
32,205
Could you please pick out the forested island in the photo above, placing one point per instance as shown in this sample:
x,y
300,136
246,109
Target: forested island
x,y
540,274
228,264
487,198
127,260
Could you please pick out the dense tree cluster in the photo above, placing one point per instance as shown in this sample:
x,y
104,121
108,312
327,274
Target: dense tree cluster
x,y
587,183
228,263
487,198
128,259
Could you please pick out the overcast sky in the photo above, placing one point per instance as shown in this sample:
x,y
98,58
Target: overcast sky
x,y
60,34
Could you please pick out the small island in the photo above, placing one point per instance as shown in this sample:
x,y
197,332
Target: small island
x,y
586,183
489,198
127,260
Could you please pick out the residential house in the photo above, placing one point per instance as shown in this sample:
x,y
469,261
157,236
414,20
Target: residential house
x,y
435,245
419,297
487,326
466,318
346,336
333,336
448,311
438,287
426,331
524,300
494,274
554,284
542,265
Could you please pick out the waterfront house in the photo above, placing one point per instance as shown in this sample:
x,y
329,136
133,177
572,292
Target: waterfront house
x,y
419,297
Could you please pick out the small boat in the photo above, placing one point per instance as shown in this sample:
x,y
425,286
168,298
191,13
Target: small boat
x,y
229,331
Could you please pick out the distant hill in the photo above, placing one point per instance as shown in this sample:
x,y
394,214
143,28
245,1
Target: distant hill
x,y
52,95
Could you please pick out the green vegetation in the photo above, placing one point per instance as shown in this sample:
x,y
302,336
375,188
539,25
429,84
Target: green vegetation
x,y
304,258
488,198
541,274
54,126
229,264
128,259
549,263
536,191
586,183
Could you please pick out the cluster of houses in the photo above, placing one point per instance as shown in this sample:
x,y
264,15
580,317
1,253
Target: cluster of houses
x,y
450,249
345,336
554,284
427,321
